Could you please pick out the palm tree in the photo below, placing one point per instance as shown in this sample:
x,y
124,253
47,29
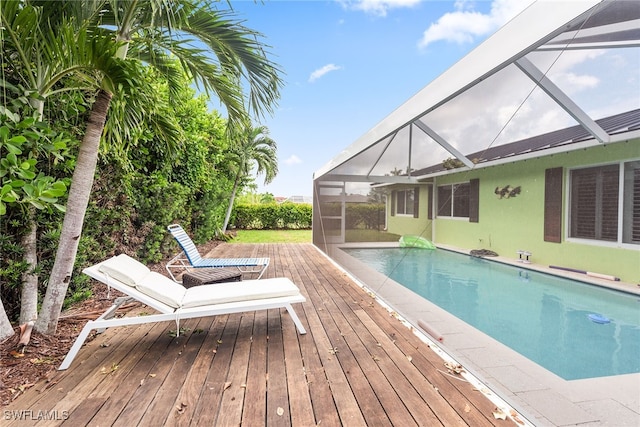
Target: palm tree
x,y
252,147
217,52
40,50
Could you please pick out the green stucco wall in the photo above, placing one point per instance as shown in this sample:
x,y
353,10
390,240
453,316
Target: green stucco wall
x,y
508,225
404,224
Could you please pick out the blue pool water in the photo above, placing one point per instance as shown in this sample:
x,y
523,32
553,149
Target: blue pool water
x,y
541,316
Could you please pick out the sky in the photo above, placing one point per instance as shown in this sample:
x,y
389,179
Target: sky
x,y
348,64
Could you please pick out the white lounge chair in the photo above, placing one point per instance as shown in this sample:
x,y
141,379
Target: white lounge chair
x,y
175,302
190,257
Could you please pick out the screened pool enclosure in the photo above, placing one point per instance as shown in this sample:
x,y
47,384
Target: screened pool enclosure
x,y
556,88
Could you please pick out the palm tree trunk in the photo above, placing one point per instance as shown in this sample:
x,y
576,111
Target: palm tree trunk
x,y
6,330
77,203
29,292
227,217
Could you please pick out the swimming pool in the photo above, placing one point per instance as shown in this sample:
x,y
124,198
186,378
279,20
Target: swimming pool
x,y
543,317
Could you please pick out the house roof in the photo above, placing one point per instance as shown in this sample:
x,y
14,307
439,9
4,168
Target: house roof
x,y
571,66
299,199
619,123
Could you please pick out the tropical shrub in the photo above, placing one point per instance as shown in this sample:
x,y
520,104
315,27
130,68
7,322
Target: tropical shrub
x,y
366,215
271,216
32,156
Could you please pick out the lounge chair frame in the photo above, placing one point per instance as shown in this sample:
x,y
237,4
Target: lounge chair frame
x,y
166,313
189,258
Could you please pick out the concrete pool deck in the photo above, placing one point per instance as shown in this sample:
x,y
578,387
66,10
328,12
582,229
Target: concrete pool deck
x,y
542,397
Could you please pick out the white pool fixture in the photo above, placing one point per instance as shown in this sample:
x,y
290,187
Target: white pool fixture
x,y
523,256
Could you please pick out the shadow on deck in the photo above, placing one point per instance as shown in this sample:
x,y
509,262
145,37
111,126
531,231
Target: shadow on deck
x,y
357,365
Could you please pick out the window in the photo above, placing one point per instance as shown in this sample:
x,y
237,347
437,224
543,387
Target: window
x,y
453,200
594,203
404,202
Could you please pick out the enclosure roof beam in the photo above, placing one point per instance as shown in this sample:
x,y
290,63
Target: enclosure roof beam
x,y
538,24
382,153
395,179
534,73
443,143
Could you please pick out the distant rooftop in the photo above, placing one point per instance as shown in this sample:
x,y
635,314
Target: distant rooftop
x,y
299,199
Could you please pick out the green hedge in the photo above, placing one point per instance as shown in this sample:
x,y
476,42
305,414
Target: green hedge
x,y
369,216
272,216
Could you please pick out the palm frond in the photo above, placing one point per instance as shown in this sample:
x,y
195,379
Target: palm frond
x,y
239,47
215,48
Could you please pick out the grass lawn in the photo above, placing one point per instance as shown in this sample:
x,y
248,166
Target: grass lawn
x,y
272,236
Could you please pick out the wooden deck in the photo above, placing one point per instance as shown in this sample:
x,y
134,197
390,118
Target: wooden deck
x,y
357,365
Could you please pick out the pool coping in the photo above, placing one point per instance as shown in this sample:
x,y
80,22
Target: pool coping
x,y
540,396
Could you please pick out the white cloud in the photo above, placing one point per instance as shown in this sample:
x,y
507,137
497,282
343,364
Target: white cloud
x,y
465,24
292,160
377,7
577,82
322,71
572,73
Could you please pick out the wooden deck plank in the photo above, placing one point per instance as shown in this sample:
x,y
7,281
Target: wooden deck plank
x,y
59,383
345,401
124,365
455,390
459,394
381,374
154,372
300,404
324,406
90,371
300,407
325,338
236,381
208,404
360,368
418,394
407,405
278,413
365,348
421,400
85,412
255,411
188,344
300,400
189,395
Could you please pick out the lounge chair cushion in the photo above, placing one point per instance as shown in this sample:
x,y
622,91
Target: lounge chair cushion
x,y
133,273
221,293
162,288
124,269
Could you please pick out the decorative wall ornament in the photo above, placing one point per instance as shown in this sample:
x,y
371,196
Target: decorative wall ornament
x,y
507,191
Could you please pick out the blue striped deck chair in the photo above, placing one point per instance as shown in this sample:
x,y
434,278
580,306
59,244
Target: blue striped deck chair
x,y
190,258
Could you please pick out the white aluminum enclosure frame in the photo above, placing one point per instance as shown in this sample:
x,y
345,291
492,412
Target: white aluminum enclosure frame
x,y
540,23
